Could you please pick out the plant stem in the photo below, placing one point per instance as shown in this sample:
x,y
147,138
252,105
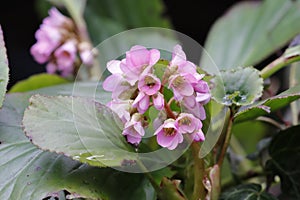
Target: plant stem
x,y
169,111
293,82
227,139
277,64
76,11
199,170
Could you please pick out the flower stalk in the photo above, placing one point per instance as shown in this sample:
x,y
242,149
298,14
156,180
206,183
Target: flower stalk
x,y
199,170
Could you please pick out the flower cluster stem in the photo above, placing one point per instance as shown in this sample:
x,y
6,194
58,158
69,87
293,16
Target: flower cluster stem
x,y
199,170
227,139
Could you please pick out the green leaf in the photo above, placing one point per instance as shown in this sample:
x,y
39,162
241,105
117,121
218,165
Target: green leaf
x,y
246,192
251,31
29,173
3,68
37,81
77,127
115,26
269,105
114,16
284,151
92,90
241,86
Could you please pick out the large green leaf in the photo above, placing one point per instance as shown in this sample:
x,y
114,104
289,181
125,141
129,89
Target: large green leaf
x,y
240,86
269,105
251,31
246,192
92,90
3,68
77,127
38,81
29,173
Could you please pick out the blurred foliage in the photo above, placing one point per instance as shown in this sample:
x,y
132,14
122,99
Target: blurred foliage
x,y
284,151
37,81
246,192
251,31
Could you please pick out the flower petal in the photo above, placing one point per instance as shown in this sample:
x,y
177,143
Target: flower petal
x,y
114,67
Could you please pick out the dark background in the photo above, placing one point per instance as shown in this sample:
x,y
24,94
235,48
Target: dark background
x,y
19,21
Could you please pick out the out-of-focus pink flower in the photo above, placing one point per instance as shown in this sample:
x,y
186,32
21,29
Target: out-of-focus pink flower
x,y
50,35
51,68
86,54
168,135
137,60
149,84
56,19
87,57
41,52
48,39
58,43
65,57
134,130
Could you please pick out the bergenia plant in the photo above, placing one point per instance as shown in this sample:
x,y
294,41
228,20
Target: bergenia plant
x,y
132,117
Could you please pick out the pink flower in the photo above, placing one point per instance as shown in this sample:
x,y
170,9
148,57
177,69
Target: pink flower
x,y
51,68
191,105
187,123
86,54
158,101
121,108
141,102
65,57
149,84
41,52
181,86
87,57
56,19
48,39
198,136
137,60
116,83
134,130
179,61
168,135
203,93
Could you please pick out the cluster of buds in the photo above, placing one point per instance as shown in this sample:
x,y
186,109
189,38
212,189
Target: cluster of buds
x,y
137,84
60,46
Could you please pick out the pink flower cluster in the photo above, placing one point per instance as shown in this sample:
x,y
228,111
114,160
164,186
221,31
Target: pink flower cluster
x,y
59,45
136,86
